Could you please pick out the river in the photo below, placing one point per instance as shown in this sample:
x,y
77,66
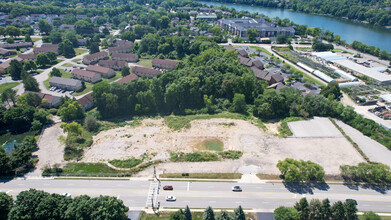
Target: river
x,y
349,30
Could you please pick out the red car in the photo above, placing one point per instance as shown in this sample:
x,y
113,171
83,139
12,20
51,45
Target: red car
x,y
168,188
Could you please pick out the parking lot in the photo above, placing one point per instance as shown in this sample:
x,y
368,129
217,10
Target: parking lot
x,y
314,128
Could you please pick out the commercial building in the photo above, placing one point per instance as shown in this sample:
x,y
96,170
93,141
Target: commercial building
x,y
164,64
87,76
240,27
95,57
65,83
103,71
147,72
128,57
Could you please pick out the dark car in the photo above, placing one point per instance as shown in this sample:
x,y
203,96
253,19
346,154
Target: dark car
x,y
236,189
168,188
355,202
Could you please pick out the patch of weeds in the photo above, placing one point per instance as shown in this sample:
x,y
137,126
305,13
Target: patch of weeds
x,y
231,154
193,157
128,163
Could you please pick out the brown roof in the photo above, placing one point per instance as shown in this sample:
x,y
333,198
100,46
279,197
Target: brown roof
x,y
112,63
84,73
242,52
258,64
144,70
28,56
171,63
48,97
277,86
259,74
118,42
49,45
46,48
120,47
83,101
131,56
99,69
245,61
128,78
96,55
277,77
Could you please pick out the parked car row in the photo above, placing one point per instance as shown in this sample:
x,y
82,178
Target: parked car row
x,y
55,89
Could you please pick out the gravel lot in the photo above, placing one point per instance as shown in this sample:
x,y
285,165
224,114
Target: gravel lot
x,y
261,151
317,127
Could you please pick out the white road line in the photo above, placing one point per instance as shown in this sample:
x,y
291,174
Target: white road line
x,y
188,186
118,197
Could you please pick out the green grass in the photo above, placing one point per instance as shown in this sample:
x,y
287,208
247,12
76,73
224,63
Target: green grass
x,y
67,65
231,154
261,49
284,129
9,137
303,48
145,63
214,145
342,51
34,39
90,169
193,157
202,175
166,216
76,60
177,123
128,163
360,217
6,86
79,51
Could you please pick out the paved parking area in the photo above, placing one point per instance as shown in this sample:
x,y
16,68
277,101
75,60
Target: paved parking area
x,y
314,128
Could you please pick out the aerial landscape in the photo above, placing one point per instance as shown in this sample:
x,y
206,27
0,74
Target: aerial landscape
x,y
183,109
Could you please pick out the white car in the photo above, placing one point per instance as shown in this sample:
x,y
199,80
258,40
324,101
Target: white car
x,y
66,194
170,198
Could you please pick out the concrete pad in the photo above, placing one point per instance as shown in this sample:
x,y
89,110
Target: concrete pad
x,y
314,128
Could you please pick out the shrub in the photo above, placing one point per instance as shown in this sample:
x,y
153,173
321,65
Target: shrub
x,y
300,171
128,163
193,157
231,154
364,172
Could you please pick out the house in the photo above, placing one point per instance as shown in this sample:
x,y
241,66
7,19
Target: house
x,y
277,86
245,61
5,52
6,64
51,101
67,27
81,42
86,102
65,83
164,64
118,43
26,57
95,57
143,71
128,78
128,57
103,71
242,52
87,76
276,78
258,64
259,74
46,48
17,45
113,64
240,27
120,49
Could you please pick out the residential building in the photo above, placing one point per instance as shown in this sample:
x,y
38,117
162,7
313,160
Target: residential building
x,y
128,78
51,101
95,57
118,43
240,27
242,52
87,76
65,83
183,8
103,71
245,61
6,64
207,16
79,17
276,78
164,64
86,102
258,64
143,71
259,74
120,49
128,57
46,48
26,57
5,52
16,45
113,64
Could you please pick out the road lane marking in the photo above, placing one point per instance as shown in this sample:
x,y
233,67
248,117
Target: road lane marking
x,y
118,197
188,186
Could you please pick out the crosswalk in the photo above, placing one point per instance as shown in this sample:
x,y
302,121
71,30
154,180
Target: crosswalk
x,y
152,194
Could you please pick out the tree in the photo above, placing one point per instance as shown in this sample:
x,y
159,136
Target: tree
x,y
178,215
94,47
164,21
223,215
55,37
27,38
66,49
209,214
331,91
371,216
55,72
350,210
44,26
13,31
252,34
128,35
286,213
70,110
6,203
315,209
9,94
42,59
281,39
326,209
10,40
239,214
125,71
72,127
337,210
29,82
187,213
84,27
91,123
15,69
239,103
51,56
300,171
29,99
302,208
29,65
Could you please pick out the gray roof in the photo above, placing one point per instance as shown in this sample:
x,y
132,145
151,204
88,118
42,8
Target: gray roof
x,y
65,81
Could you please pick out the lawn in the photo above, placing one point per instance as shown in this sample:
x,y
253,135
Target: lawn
x,y
202,175
261,49
76,60
67,65
34,39
79,51
6,86
342,51
9,137
90,85
166,216
145,63
88,169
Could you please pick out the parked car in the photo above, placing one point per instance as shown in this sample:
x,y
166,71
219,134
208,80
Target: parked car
x,y
236,189
63,91
71,92
170,198
168,188
66,194
355,202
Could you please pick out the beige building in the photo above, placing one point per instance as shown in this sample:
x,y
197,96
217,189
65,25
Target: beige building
x,y
65,83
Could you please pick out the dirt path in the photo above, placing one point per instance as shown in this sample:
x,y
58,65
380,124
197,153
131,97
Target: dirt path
x,y
50,150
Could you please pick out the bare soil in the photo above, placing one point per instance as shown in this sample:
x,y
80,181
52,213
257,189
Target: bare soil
x,y
261,151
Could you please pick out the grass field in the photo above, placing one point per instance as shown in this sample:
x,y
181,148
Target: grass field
x,y
67,65
76,60
145,63
79,51
261,49
214,145
6,86
8,137
203,175
88,169
34,39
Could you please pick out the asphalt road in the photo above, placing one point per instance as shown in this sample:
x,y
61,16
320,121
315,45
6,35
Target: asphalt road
x,y
266,196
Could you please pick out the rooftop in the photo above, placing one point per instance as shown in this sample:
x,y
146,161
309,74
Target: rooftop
x,y
65,81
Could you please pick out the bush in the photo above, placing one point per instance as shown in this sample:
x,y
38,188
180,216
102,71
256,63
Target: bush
x,y
90,123
300,171
231,154
364,172
129,163
193,157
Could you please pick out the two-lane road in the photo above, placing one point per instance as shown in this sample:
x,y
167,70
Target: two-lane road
x,y
266,196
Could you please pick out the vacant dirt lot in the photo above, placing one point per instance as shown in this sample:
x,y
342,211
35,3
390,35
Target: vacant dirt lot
x,y
261,151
